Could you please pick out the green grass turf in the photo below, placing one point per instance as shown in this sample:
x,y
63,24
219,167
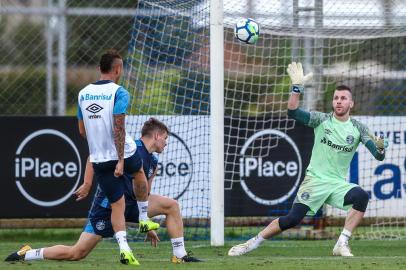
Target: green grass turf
x,y
271,255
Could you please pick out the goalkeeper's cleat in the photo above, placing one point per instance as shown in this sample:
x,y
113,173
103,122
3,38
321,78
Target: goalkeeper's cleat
x,y
241,249
185,259
342,249
148,225
18,255
127,257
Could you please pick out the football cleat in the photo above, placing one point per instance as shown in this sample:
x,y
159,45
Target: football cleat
x,y
342,249
127,257
18,255
241,249
148,225
185,259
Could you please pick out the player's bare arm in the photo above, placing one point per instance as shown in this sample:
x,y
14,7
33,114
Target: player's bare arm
x,y
83,191
82,130
119,140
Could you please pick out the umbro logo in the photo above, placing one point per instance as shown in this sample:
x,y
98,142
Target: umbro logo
x,y
94,108
327,131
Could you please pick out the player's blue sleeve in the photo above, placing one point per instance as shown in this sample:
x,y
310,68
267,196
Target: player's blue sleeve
x,y
121,101
154,162
79,113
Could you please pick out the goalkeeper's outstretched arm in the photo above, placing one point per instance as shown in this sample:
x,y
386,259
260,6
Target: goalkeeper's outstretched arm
x,y
377,145
298,79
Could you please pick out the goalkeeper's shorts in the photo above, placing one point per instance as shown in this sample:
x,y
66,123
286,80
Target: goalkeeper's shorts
x,y
315,192
99,220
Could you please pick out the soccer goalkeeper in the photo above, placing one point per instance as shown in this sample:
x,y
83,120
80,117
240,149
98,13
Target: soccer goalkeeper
x,y
336,138
154,139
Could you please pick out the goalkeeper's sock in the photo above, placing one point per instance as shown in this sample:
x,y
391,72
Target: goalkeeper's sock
x,y
344,236
34,254
256,241
121,238
178,247
143,210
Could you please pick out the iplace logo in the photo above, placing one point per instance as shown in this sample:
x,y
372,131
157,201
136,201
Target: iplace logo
x,y
175,168
270,167
47,167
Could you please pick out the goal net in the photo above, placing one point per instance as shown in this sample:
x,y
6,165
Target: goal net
x,y
361,44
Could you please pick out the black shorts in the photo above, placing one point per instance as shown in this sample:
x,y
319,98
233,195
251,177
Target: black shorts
x,y
112,186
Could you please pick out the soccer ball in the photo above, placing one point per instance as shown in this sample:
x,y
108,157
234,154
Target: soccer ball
x,y
247,30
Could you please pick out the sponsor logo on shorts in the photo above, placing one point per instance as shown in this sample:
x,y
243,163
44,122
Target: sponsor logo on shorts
x,y
100,225
305,196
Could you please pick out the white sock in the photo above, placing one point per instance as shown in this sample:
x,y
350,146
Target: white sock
x,y
34,254
344,236
178,247
143,210
121,238
256,241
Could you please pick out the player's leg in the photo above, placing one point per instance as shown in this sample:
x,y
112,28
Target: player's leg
x,y
117,218
161,205
118,224
133,166
80,250
358,198
86,243
100,224
113,189
354,198
310,197
292,219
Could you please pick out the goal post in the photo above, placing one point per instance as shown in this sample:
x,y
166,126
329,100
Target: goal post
x,y
235,159
217,122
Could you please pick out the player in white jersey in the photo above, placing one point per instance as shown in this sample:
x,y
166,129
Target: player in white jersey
x,y
154,136
102,108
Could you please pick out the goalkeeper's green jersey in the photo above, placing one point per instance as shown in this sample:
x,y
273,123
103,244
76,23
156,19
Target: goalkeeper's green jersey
x,y
335,143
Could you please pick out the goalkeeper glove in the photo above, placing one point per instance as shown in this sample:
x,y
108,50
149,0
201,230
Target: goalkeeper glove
x,y
381,143
298,79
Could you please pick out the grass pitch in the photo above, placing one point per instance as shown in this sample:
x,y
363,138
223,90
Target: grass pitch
x,y
389,254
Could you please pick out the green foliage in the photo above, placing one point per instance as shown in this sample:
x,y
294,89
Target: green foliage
x,y
13,45
102,4
156,98
390,51
391,99
192,93
25,90
22,92
328,96
90,37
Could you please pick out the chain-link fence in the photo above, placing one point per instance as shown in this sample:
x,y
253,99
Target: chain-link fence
x,y
49,50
